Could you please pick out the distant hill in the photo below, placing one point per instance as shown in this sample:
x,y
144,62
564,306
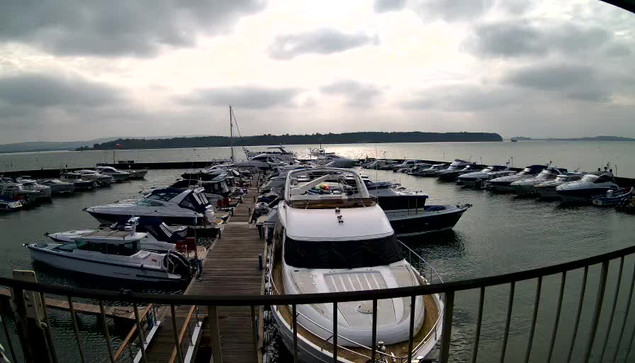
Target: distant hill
x,y
49,145
268,139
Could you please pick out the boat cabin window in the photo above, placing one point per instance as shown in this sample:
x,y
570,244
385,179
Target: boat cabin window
x,y
165,195
149,203
603,179
590,178
342,254
122,249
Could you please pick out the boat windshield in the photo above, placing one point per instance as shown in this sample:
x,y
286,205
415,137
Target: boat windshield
x,y
589,178
544,175
342,254
562,178
165,195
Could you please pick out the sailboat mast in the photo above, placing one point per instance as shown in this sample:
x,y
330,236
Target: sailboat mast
x,y
231,132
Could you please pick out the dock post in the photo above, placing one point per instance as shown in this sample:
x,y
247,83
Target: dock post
x,y
214,331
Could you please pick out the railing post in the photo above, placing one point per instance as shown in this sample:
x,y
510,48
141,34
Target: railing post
x,y
217,354
175,332
557,320
533,319
335,331
76,328
612,314
446,335
510,305
411,328
294,311
579,313
111,354
628,305
598,310
22,324
142,339
254,329
374,333
479,321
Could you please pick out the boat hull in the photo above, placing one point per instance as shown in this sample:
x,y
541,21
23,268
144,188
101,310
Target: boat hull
x,y
424,222
107,218
99,268
581,195
309,352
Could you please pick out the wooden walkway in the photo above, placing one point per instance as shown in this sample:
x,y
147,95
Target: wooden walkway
x,y
119,312
230,268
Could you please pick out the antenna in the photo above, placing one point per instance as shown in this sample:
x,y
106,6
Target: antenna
x,y
231,133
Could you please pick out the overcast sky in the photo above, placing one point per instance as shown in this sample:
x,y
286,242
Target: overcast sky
x,y
84,69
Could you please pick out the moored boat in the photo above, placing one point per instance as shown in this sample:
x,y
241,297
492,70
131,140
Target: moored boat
x,y
591,185
613,197
503,184
114,254
339,239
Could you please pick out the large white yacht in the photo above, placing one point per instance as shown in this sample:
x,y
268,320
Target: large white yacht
x,y
118,175
335,240
527,186
503,184
173,206
477,179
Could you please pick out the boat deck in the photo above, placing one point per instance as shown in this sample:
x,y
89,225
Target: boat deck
x,y
230,268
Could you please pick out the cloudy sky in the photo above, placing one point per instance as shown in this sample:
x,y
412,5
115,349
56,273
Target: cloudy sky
x,y
84,69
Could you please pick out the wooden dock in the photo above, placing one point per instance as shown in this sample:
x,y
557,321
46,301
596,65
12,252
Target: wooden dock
x,y
230,268
118,312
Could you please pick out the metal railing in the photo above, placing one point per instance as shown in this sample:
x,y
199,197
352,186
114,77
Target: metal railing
x,y
599,309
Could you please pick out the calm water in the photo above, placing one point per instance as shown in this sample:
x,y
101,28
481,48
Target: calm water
x,y
499,234
572,155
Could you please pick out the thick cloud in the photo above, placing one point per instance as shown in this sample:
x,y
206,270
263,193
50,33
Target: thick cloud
x,y
462,98
118,27
242,96
43,90
382,6
358,94
517,39
319,41
452,10
577,82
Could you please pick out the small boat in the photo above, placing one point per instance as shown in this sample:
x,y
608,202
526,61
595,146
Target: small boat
x,y
159,236
16,191
431,171
477,179
173,206
527,186
116,174
277,152
44,192
503,184
407,164
78,181
59,187
114,254
408,213
591,185
101,180
9,205
613,197
547,189
453,174
415,168
328,240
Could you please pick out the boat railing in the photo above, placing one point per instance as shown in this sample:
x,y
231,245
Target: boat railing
x,y
595,323
422,266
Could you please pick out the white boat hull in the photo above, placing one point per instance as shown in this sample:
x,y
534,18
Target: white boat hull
x,y
100,268
309,352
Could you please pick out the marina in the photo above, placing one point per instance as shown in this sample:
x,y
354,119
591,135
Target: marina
x,y
242,333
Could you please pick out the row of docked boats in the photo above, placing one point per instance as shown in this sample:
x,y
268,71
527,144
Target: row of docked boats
x,y
17,193
146,239
545,181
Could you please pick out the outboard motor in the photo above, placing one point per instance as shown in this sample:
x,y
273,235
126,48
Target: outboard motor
x,y
177,264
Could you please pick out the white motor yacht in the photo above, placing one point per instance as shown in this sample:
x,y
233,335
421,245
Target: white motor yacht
x,y
116,174
452,171
431,171
591,185
527,186
114,254
44,192
478,179
334,240
59,187
547,190
159,236
277,152
99,178
503,184
173,206
17,192
78,181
